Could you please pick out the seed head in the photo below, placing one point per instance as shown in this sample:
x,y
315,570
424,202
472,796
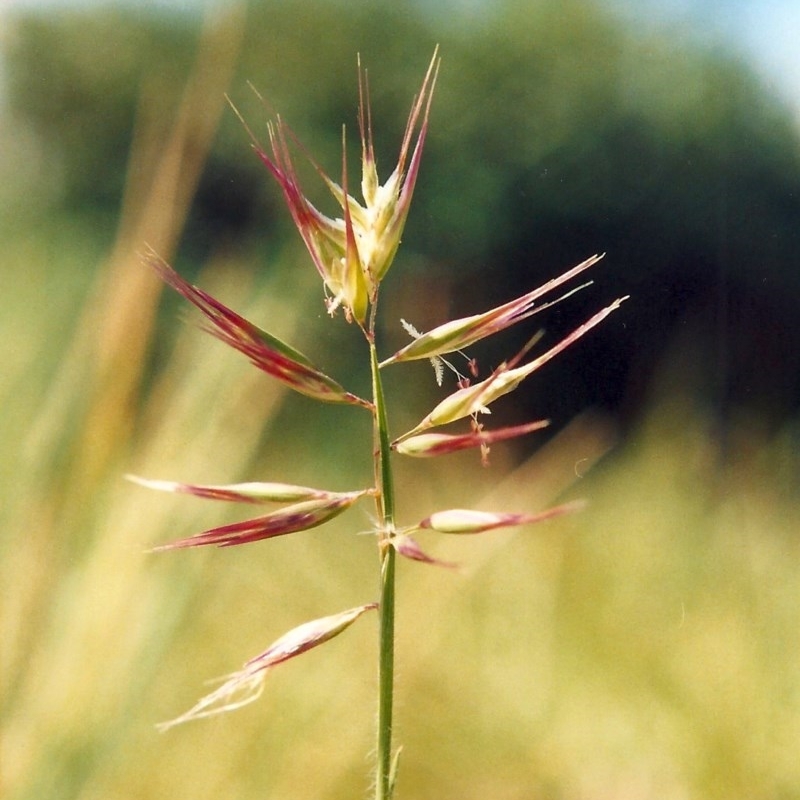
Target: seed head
x,y
353,253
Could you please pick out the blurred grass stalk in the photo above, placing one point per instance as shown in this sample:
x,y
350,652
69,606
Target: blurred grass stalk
x,y
647,647
75,561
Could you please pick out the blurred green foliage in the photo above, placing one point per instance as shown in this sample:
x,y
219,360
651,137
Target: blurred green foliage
x,y
547,113
647,647
557,132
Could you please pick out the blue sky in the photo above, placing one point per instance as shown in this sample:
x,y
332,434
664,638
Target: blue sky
x,y
765,32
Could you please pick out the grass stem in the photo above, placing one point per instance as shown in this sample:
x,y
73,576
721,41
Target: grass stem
x,y
384,781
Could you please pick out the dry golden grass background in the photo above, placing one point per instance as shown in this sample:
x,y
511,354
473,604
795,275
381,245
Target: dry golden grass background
x,y
648,647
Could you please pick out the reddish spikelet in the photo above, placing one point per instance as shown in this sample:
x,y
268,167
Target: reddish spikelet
x,y
253,492
297,517
427,445
265,351
460,333
246,685
409,548
460,520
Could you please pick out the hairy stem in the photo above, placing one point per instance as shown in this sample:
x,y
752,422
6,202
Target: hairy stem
x,y
384,782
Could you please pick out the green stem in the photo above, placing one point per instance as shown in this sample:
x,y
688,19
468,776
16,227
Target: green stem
x,y
384,783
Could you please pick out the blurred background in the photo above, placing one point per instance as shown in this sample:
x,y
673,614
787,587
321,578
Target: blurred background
x,y
648,647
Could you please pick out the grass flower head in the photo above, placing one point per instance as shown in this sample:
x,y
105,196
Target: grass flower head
x,y
352,253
